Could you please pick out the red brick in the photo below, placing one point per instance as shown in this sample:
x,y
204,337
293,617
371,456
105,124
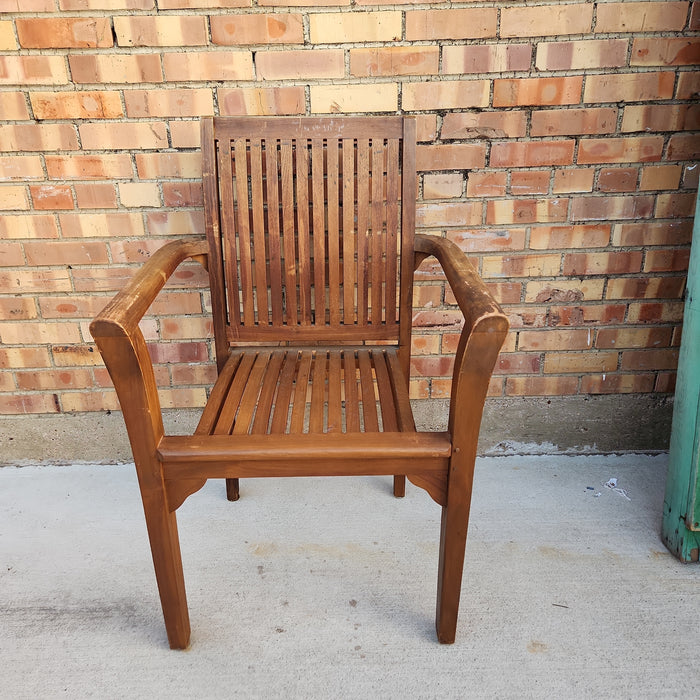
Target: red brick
x,y
110,4
165,30
13,198
629,87
684,147
21,168
522,211
583,236
440,366
73,32
395,60
65,253
28,226
464,125
76,355
633,337
688,87
116,68
589,315
465,23
446,94
38,137
448,214
77,105
329,28
581,54
192,102
541,386
29,403
442,185
652,233
154,166
175,223
178,352
458,156
74,402
513,92
33,70
555,340
300,64
564,291
604,208
17,308
100,225
660,177
573,180
617,383
89,167
182,194
531,153
14,358
244,29
52,380
529,182
645,288
11,255
562,122
546,20
124,135
51,196
666,260
665,383
580,264
332,99
518,363
649,359
31,333
680,204
71,306
620,150
95,195
208,65
484,240
486,184
13,105
486,58
661,118
665,52
580,362
640,16
618,179
262,101
662,312
521,266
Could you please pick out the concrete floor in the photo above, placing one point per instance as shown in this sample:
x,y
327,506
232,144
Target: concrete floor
x,y
312,588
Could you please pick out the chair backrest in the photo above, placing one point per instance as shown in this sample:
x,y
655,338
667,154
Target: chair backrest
x,y
310,222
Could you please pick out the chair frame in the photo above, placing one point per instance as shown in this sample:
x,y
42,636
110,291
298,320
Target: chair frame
x,y
170,468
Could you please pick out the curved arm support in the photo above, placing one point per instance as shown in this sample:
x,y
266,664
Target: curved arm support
x,y
124,350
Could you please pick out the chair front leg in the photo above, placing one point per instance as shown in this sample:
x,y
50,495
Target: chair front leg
x,y
233,490
167,562
399,486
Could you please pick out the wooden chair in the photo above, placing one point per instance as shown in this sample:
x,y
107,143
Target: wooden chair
x,y
311,251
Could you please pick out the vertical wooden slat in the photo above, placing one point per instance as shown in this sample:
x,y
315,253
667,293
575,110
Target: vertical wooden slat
x,y
333,231
284,393
404,413
259,253
290,252
270,383
228,410
369,405
392,225
318,393
228,227
296,424
208,420
212,224
386,401
319,231
249,399
335,408
363,200
303,241
377,238
349,276
273,230
243,224
352,415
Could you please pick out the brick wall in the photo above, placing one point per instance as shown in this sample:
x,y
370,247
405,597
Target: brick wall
x,y
557,149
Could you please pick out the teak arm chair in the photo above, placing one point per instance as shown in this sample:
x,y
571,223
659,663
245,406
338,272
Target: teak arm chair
x,y
311,253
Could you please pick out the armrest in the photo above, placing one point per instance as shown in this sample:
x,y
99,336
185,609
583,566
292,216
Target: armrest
x,y
485,329
127,308
124,351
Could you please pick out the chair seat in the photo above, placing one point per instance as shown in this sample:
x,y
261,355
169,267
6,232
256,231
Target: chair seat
x,y
296,391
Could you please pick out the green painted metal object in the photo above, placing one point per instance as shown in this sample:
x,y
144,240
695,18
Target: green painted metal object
x,y
681,520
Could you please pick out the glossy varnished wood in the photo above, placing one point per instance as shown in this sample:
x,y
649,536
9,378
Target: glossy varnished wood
x,y
310,251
